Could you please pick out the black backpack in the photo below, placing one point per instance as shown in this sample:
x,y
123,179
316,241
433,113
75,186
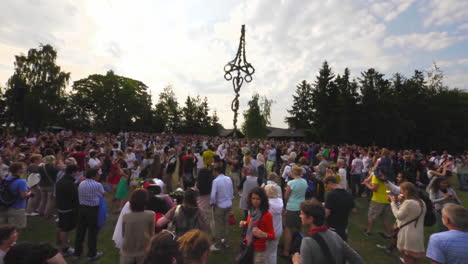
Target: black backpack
x,y
429,217
7,197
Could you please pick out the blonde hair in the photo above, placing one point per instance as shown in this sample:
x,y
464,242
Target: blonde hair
x,y
272,191
194,244
296,170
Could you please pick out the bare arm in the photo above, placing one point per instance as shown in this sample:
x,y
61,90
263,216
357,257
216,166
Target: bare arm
x,y
287,193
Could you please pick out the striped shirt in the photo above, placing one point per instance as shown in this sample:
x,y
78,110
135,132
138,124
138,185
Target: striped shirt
x,y
89,192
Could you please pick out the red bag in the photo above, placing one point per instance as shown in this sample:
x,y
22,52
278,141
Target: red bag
x,y
232,219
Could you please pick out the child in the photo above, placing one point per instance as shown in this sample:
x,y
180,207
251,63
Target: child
x,y
122,189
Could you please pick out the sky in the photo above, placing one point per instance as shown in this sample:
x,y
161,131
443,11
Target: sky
x,y
186,43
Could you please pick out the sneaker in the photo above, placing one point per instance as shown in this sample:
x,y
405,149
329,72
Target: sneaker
x,y
367,234
224,243
96,257
32,214
68,252
214,248
384,249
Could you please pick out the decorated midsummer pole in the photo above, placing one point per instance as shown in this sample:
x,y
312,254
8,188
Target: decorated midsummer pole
x,y
238,70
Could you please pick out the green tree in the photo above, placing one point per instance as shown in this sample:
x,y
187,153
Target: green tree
x,y
113,103
168,112
256,117
301,110
321,101
35,91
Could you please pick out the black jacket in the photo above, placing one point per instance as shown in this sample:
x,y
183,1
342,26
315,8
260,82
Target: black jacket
x,y
66,194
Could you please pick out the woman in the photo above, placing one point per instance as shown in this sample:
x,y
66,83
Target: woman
x,y
163,249
48,174
194,247
137,228
440,194
204,184
259,224
261,166
249,183
410,219
8,237
276,209
186,216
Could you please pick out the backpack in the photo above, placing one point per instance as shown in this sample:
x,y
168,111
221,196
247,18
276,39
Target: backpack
x,y
7,196
429,217
311,184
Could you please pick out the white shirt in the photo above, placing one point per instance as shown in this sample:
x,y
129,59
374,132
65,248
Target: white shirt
x,y
365,162
343,180
130,159
358,165
93,163
199,160
222,192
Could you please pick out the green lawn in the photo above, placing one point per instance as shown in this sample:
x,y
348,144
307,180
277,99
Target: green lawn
x,y
40,229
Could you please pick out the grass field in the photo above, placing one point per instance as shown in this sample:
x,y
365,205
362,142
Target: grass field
x,y
40,229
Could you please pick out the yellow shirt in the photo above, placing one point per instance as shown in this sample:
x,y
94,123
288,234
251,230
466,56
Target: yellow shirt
x,y
379,196
208,157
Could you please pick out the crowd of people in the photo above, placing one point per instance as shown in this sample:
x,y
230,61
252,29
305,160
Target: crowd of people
x,y
174,197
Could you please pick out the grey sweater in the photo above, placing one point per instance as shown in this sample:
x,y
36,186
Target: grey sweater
x,y
340,250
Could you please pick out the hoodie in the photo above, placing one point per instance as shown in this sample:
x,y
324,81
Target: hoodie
x,y
276,209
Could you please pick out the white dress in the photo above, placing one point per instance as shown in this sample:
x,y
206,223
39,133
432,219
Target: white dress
x,y
117,237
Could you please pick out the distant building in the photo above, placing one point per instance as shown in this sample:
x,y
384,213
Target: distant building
x,y
285,133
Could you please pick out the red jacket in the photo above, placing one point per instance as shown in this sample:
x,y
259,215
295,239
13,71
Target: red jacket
x,y
266,225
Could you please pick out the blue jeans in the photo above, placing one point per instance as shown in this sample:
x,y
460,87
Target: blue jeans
x,y
463,181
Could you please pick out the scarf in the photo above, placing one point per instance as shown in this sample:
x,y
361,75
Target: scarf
x,y
318,230
255,216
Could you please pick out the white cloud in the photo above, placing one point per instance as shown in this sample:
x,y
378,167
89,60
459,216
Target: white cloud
x,y
463,26
452,63
426,41
444,12
389,10
186,43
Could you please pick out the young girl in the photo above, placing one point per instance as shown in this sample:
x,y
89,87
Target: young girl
x,y
122,189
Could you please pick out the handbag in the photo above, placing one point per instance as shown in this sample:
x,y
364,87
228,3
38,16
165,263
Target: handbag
x,y
246,253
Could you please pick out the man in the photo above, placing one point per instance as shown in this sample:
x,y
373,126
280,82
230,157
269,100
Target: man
x,y
338,206
271,158
35,198
356,175
321,171
171,167
379,205
221,201
294,194
16,213
66,196
94,162
80,156
336,250
90,191
450,246
188,164
208,156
